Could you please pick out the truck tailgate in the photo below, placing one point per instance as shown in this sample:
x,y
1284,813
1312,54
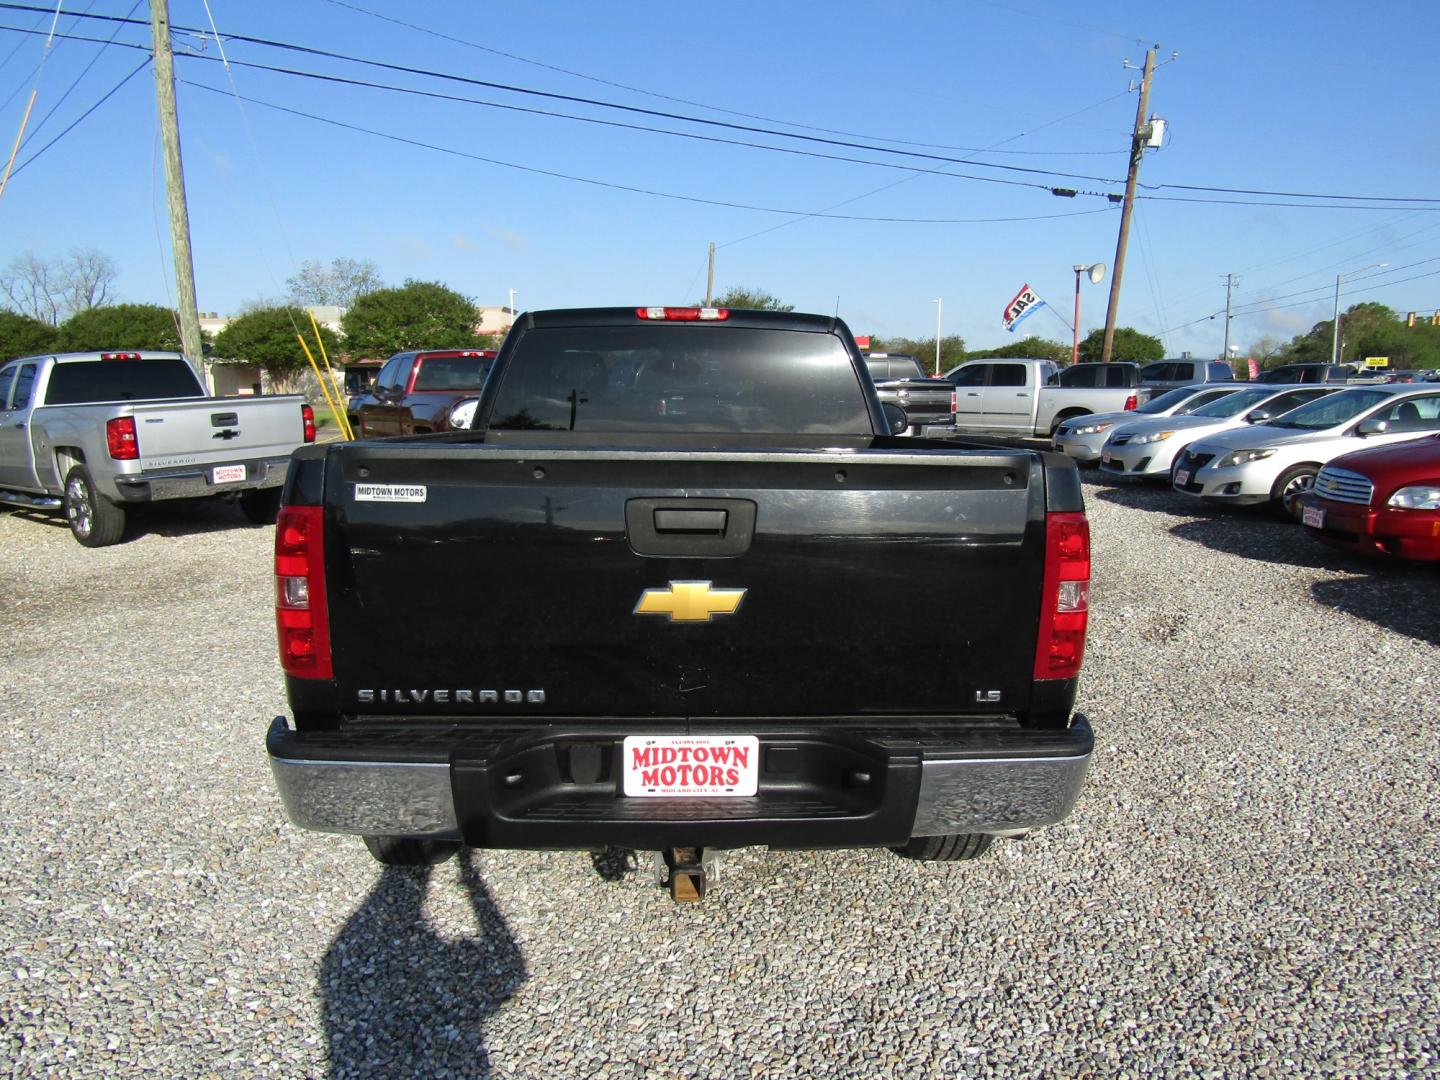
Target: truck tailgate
x,y
217,429
882,582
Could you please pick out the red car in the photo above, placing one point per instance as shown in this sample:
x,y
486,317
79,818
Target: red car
x,y
415,390
1384,501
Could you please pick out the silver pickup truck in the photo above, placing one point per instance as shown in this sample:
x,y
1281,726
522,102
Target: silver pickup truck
x,y
91,433
1011,397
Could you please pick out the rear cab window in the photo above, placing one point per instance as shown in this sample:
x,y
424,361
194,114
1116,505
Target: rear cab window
x,y
82,382
664,379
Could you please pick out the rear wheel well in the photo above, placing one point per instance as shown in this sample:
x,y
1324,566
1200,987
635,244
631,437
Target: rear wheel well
x,y
66,458
1067,414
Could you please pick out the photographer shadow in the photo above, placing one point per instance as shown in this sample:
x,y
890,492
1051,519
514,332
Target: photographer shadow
x,y
400,1000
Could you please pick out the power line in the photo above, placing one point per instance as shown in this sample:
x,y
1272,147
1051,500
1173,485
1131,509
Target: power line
x,y
1344,201
619,187
76,81
81,118
699,104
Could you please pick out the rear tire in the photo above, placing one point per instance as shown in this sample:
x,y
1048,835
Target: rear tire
x,y
94,520
959,847
260,507
1293,482
410,850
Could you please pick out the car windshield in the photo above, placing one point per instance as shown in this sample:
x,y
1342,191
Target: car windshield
x,y
1241,401
1327,412
453,372
680,378
1168,400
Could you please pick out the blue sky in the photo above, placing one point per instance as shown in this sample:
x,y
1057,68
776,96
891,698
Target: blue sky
x,y
1321,97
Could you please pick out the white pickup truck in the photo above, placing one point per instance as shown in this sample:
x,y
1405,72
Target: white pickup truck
x,y
91,433
1011,397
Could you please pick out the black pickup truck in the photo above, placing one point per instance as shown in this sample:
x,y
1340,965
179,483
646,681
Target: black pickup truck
x,y
650,599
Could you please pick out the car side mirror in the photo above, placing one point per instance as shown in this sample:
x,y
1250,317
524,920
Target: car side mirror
x,y
895,417
462,414
1371,426
1258,416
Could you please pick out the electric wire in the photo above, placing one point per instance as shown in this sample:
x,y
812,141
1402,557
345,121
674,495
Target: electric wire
x,y
76,81
700,104
1338,201
81,118
407,140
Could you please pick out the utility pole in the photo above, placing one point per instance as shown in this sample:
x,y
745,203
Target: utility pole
x,y
1229,284
1137,151
175,184
710,277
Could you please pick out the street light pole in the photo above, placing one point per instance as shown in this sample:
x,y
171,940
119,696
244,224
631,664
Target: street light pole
x,y
1335,335
1075,334
939,307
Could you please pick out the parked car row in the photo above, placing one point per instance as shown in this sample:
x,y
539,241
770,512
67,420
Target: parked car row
x,y
1357,466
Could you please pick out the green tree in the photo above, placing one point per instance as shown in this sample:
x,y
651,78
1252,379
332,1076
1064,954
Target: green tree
x,y
418,315
1032,347
20,335
123,326
755,299
266,338
1130,344
952,350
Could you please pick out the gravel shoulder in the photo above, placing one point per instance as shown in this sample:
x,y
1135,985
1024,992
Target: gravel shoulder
x,y
1249,885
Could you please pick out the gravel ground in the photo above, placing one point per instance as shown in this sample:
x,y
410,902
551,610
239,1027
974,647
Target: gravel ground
x,y
1249,885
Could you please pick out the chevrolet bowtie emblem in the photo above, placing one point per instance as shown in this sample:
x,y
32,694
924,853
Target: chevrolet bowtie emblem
x,y
689,601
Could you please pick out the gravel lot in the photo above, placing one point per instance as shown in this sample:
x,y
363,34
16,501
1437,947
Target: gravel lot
x,y
1250,884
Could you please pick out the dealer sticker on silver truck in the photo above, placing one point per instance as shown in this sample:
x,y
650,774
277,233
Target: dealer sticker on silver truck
x,y
406,493
695,766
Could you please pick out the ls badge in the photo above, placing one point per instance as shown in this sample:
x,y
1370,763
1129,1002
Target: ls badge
x,y
689,601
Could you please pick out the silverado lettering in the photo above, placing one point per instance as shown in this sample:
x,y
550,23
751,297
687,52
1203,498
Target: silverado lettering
x,y
651,452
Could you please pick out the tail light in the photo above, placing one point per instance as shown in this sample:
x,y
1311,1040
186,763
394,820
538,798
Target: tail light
x,y
301,616
954,401
119,356
1132,402
307,416
683,314
120,437
1065,601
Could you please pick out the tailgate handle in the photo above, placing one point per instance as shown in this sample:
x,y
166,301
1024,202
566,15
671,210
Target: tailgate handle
x,y
690,528
224,419
695,522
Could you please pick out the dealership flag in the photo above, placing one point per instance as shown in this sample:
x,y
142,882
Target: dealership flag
x,y
1024,303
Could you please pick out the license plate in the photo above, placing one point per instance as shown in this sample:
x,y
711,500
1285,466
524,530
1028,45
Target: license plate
x,y
1313,516
228,474
691,766
1105,456
1182,477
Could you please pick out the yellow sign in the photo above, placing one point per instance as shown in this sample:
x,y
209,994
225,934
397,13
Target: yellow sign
x,y
689,601
1377,361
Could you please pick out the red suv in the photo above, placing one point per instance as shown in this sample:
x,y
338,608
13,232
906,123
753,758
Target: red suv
x,y
1384,501
414,392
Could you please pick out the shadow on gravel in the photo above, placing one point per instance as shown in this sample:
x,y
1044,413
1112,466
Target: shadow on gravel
x,y
399,1000
184,519
1258,535
1400,598
1142,495
614,863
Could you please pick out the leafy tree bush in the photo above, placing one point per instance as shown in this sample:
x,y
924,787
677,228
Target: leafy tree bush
x,y
738,296
1130,344
20,335
1034,347
418,315
266,338
123,326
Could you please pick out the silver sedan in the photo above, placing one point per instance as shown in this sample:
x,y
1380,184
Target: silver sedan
x,y
1083,436
1148,448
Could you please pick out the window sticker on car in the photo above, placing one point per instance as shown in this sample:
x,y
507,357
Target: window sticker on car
x,y
406,493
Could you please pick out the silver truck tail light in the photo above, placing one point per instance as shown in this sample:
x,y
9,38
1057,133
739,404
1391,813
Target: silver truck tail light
x,y
1132,402
1065,597
120,438
307,417
302,619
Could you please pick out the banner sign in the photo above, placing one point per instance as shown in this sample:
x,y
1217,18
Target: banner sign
x,y
1025,301
1254,369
